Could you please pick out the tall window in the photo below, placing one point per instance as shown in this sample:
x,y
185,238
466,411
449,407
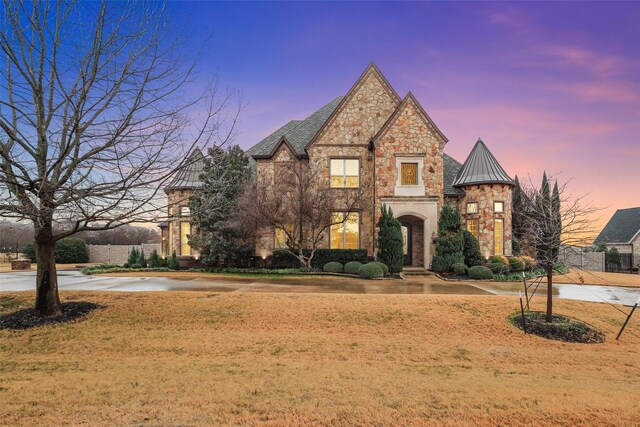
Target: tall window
x,y
498,207
345,232
409,174
281,236
498,237
185,231
472,227
170,245
185,211
345,173
472,208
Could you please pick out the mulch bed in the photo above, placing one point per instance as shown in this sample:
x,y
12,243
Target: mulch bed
x,y
562,328
28,319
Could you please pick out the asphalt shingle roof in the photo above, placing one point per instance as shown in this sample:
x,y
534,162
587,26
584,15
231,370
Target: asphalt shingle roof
x,y
188,177
451,167
297,132
621,228
481,168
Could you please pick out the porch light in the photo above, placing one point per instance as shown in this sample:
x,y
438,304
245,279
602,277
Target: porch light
x,y
434,236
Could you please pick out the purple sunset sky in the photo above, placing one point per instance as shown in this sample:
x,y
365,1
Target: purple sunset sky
x,y
552,86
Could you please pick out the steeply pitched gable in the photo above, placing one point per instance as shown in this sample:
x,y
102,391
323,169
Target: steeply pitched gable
x,y
362,111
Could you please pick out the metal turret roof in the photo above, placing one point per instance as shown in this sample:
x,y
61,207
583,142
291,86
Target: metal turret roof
x,y
188,177
481,168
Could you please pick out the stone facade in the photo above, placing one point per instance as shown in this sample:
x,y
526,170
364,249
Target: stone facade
x,y
382,131
177,199
485,195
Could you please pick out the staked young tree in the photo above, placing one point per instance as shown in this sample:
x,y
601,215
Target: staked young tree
x,y
554,219
94,117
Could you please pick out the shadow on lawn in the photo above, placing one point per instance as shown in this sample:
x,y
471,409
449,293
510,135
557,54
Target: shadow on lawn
x,y
26,318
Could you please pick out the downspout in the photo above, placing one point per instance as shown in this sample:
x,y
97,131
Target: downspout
x,y
373,202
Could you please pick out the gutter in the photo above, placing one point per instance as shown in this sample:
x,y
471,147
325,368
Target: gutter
x,y
372,148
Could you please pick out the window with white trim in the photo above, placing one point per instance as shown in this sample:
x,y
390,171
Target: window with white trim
x,y
498,207
472,207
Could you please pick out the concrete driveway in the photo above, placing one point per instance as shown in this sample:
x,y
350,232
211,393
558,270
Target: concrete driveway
x,y
73,280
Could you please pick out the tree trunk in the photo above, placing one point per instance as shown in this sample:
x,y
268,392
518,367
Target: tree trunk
x,y
549,318
47,298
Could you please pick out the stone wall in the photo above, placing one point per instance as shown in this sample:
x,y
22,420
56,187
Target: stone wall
x,y
177,199
485,195
118,254
578,258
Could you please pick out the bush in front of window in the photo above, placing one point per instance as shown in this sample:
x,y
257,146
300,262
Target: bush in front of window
x,y
370,270
529,263
390,245
352,267
450,241
498,268
333,267
471,251
480,272
499,258
173,263
516,264
285,259
459,268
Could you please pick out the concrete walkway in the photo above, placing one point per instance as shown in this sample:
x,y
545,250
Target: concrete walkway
x,y
73,280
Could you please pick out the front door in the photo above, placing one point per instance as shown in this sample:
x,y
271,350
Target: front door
x,y
406,243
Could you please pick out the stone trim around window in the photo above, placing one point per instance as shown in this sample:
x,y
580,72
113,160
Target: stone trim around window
x,y
409,190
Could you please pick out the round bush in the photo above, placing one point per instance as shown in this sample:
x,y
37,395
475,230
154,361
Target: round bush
x,y
459,268
383,266
370,270
333,267
498,268
499,259
516,264
480,272
529,263
352,267
136,265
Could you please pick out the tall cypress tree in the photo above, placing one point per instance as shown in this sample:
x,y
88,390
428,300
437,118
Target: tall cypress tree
x,y
390,247
450,242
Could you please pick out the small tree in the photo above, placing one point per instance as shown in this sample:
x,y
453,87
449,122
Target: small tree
x,y
471,251
154,260
555,219
390,245
612,257
142,260
134,256
450,243
173,262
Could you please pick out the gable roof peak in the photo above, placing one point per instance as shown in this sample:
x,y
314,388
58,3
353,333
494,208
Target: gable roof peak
x,y
481,168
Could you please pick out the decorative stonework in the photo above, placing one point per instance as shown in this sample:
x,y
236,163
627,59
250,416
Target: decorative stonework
x,y
485,195
177,199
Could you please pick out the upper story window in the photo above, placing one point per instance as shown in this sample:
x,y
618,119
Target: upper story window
x,y
185,211
409,174
345,173
498,207
472,208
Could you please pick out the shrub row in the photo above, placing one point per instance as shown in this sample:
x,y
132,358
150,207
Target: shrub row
x,y
370,270
284,259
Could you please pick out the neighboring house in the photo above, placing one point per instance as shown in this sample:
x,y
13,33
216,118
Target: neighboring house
x,y
373,135
623,233
176,230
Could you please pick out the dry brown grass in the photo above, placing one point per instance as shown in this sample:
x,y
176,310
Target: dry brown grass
x,y
599,278
201,358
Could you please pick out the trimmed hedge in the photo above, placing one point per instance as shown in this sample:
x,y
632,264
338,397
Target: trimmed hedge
x,y
370,270
284,259
352,267
516,264
333,267
499,259
459,268
480,272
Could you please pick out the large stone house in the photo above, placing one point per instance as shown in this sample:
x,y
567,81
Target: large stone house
x,y
372,135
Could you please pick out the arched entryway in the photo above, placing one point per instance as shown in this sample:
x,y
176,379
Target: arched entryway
x,y
413,239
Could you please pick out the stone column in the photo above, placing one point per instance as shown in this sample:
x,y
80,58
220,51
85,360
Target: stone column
x,y
427,243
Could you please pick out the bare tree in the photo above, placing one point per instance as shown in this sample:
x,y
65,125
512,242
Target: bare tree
x,y
301,205
551,220
95,115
